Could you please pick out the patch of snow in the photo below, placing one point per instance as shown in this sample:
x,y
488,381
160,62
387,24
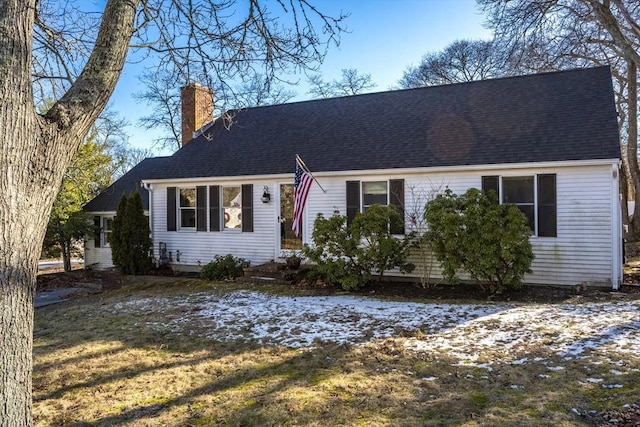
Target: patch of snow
x,y
476,335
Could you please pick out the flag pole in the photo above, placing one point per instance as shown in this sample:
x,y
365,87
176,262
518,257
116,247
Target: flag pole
x,y
306,168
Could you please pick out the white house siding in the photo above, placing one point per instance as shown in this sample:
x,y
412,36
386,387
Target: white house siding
x,y
199,247
98,258
582,252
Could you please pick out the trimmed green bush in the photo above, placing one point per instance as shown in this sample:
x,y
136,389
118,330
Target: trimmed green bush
x,y
347,254
224,267
131,247
475,234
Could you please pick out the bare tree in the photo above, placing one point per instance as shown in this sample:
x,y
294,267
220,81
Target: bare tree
x,y
461,61
56,49
351,83
417,225
582,33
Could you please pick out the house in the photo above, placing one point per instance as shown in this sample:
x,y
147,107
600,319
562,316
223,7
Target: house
x,y
97,252
546,142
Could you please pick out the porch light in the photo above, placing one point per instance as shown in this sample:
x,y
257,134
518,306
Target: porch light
x,y
266,197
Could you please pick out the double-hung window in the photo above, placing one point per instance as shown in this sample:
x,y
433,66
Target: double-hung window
x,y
187,208
107,227
534,195
102,226
374,192
232,207
362,195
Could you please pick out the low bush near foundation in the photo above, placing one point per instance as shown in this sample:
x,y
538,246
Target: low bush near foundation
x,y
348,254
224,267
475,234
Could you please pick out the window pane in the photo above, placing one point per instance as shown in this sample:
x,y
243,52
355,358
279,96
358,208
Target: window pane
x,y
517,189
374,192
378,187
232,207
108,223
231,197
187,197
370,199
232,217
529,210
187,218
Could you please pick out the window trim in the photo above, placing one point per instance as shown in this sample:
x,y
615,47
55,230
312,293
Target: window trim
x,y
395,197
223,209
491,182
180,209
104,231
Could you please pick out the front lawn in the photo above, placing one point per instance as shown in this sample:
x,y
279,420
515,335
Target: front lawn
x,y
192,353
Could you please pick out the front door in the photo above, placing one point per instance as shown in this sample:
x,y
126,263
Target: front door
x,y
288,242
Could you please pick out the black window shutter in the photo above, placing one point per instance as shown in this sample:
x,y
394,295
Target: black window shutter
x,y
171,209
247,207
201,208
214,208
396,199
491,183
353,200
96,231
547,205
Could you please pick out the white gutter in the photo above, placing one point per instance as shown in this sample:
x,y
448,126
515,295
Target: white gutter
x,y
617,234
402,171
149,188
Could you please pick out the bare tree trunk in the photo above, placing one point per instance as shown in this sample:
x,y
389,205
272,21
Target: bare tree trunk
x,y
632,149
66,256
624,190
21,215
35,151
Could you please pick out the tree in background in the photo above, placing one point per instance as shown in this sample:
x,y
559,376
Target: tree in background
x,y
90,171
461,61
67,51
109,131
351,83
543,35
131,245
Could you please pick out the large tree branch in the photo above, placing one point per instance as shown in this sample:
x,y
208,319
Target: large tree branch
x,y
612,25
76,111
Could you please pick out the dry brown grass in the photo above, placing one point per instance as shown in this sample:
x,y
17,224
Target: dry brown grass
x,y
96,368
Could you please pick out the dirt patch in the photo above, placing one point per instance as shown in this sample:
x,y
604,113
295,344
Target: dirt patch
x,y
111,279
104,280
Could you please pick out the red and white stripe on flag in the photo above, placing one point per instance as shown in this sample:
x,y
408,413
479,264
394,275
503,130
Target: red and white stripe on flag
x,y
302,185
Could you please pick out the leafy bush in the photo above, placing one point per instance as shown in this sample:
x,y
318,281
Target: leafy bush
x,y
224,267
347,254
131,247
476,234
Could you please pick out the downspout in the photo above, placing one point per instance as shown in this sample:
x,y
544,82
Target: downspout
x,y
149,188
616,230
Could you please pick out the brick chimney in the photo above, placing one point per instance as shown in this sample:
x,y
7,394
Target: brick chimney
x,y
197,109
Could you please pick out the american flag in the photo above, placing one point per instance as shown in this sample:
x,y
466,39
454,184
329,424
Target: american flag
x,y
302,185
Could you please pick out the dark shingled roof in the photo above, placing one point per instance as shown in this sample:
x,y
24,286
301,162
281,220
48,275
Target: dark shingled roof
x,y
109,198
568,115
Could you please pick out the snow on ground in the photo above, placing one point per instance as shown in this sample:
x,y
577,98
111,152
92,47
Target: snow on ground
x,y
476,334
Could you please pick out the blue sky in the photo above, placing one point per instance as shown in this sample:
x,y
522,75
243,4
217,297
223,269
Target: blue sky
x,y
386,36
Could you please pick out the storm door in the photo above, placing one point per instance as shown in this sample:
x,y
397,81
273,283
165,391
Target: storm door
x,y
288,242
